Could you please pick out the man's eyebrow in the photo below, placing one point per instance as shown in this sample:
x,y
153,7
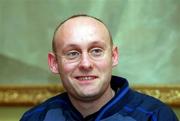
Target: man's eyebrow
x,y
70,46
102,43
98,42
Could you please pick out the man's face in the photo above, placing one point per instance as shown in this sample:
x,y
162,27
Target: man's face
x,y
85,57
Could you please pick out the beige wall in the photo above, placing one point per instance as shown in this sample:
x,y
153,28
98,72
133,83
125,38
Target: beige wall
x,y
14,113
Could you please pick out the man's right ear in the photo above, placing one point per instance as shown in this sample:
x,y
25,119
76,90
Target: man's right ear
x,y
52,62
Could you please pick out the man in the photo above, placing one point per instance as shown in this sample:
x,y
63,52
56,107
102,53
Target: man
x,y
84,55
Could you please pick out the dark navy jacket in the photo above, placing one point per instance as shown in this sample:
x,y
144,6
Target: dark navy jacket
x,y
126,105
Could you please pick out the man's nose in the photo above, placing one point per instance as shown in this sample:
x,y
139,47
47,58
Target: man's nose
x,y
85,62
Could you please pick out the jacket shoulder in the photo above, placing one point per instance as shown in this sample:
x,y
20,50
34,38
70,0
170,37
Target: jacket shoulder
x,y
149,105
38,112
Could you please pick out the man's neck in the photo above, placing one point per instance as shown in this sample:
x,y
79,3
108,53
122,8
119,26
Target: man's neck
x,y
89,107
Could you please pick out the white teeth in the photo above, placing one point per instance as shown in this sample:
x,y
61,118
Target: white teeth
x,y
86,78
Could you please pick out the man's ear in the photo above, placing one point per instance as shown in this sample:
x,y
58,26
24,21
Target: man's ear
x,y
52,62
115,56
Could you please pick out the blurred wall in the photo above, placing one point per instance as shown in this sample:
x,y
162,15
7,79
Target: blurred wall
x,y
146,32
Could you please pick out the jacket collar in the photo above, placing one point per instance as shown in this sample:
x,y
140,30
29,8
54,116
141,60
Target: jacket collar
x,y
119,85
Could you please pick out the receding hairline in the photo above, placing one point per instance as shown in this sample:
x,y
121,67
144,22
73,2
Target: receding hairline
x,y
77,16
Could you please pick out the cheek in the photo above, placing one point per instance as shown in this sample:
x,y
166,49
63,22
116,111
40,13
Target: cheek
x,y
105,65
67,68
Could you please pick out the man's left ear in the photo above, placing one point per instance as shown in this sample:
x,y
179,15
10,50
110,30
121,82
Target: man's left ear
x,y
115,56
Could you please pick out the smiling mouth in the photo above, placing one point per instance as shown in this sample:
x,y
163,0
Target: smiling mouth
x,y
86,78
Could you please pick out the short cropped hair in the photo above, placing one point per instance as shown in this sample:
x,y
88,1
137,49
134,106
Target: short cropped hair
x,y
75,16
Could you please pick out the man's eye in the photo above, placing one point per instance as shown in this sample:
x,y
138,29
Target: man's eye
x,y
72,54
97,52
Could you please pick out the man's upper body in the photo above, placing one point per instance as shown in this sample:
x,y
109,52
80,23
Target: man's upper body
x,y
83,56
126,105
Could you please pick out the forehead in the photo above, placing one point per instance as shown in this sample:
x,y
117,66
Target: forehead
x,y
81,29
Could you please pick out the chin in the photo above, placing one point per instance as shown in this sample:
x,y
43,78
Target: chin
x,y
89,96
